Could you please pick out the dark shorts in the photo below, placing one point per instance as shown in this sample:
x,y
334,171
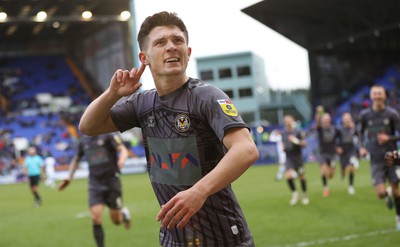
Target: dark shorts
x,y
325,158
345,159
34,180
380,173
106,191
293,164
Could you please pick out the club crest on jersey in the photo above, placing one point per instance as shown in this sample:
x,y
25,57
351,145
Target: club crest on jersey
x,y
182,122
227,107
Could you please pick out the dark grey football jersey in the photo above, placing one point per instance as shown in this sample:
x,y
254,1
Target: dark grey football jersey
x,y
327,138
100,153
292,150
182,135
371,123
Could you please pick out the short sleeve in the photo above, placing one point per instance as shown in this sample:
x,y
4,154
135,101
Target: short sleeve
x,y
219,110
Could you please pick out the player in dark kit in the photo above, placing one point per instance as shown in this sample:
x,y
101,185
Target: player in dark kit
x,y
105,155
347,149
327,140
196,143
378,126
293,141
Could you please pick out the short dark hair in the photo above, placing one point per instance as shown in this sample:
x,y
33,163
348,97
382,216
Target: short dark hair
x,y
163,18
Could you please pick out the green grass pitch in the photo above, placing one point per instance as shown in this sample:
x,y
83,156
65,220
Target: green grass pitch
x,y
339,220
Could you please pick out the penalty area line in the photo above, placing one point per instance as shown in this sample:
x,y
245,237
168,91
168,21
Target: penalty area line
x,y
337,239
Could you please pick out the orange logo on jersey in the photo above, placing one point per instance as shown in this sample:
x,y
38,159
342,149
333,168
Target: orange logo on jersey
x,y
228,107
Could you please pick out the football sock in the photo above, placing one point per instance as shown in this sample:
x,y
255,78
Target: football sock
x,y
36,195
291,184
303,185
98,235
351,179
324,181
397,205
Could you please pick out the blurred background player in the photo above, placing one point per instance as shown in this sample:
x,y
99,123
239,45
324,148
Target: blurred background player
x,y
378,126
346,149
276,137
34,169
49,163
106,156
293,141
327,139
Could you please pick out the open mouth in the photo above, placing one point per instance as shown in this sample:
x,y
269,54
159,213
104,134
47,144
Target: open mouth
x,y
172,60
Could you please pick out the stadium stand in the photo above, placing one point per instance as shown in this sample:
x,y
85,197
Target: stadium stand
x,y
42,100
37,92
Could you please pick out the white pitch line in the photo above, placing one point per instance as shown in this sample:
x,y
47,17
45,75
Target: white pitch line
x,y
82,215
337,239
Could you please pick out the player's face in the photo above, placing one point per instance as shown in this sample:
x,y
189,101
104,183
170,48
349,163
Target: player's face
x,y
167,52
289,122
347,120
326,120
378,96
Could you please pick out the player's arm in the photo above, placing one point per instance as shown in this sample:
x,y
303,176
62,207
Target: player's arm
x,y
97,119
319,111
72,168
43,172
123,155
242,153
392,158
298,139
361,137
302,138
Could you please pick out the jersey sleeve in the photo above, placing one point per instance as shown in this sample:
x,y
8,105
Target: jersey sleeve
x,y
123,113
219,110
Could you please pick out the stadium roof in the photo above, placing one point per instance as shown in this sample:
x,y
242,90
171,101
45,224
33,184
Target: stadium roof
x,y
63,18
325,24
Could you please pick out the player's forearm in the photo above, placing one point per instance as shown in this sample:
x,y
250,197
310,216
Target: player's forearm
x,y
394,138
72,168
123,156
96,119
238,159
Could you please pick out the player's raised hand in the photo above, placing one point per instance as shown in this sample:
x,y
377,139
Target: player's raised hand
x,y
63,184
124,82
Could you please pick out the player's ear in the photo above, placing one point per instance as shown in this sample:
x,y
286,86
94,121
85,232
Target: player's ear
x,y
143,58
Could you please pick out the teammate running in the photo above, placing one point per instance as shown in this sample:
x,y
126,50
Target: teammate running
x,y
346,150
106,155
378,126
293,141
327,137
